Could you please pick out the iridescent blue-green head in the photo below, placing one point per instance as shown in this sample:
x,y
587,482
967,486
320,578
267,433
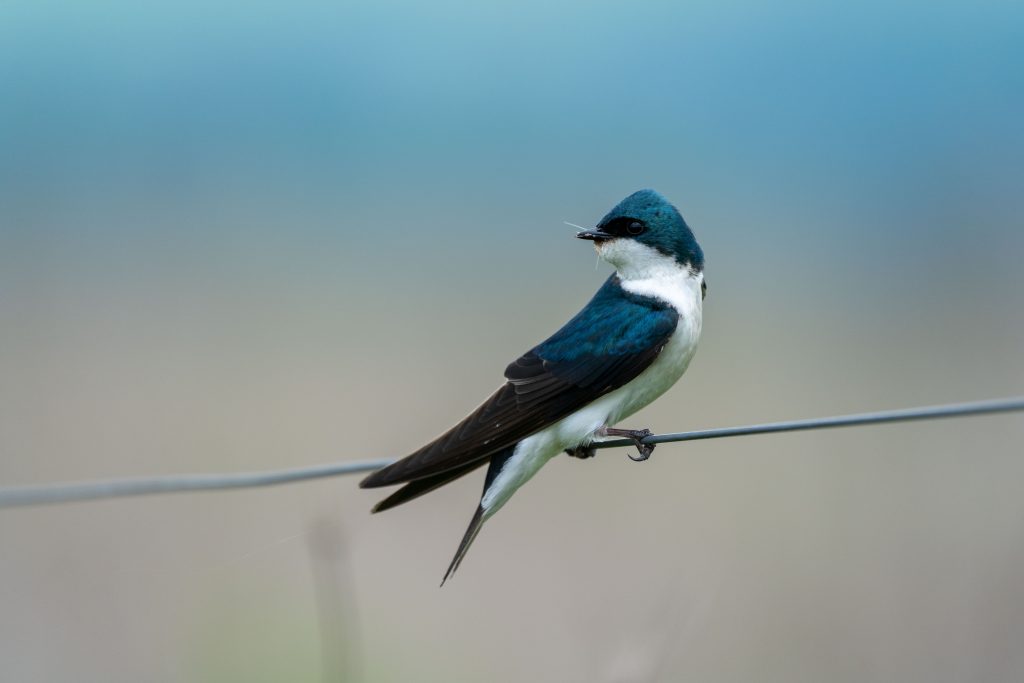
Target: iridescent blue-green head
x,y
645,227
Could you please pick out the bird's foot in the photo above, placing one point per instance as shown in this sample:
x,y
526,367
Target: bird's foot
x,y
582,452
638,436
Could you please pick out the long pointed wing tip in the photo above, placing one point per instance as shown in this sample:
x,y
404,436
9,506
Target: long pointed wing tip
x,y
376,480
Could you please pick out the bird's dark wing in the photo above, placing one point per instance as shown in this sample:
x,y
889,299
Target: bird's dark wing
x,y
610,342
418,487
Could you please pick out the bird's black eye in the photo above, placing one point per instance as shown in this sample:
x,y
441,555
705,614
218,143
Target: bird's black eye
x,y
623,227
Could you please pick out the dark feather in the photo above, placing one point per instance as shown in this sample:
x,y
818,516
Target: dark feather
x,y
418,487
497,462
475,525
610,342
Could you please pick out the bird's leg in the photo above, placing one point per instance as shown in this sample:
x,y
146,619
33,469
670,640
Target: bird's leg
x,y
583,451
637,435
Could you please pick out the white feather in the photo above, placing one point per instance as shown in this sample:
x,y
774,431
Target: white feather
x,y
645,271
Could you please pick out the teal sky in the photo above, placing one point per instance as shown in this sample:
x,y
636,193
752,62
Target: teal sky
x,y
457,102
798,132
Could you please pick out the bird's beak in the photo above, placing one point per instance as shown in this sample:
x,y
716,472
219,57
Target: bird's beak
x,y
595,235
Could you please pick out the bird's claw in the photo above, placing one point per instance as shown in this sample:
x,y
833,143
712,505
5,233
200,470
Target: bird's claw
x,y
644,449
637,436
582,452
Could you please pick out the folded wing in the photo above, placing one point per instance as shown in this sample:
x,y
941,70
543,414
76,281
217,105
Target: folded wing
x,y
610,342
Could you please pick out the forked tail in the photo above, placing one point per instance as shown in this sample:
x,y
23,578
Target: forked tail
x,y
475,525
498,461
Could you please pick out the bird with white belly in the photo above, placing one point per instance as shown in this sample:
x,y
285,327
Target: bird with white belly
x,y
627,346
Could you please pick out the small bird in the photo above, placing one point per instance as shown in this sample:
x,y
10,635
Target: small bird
x,y
627,346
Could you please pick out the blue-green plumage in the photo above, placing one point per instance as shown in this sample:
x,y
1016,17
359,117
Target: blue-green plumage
x,y
664,227
613,323
631,342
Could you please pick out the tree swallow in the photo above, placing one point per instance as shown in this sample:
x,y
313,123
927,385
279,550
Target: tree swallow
x,y
623,350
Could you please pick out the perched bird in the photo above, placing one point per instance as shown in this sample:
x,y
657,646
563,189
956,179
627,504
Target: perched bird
x,y
623,350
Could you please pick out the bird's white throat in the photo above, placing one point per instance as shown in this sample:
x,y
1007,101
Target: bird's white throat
x,y
646,271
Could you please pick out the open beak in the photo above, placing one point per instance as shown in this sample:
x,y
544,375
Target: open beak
x,y
595,235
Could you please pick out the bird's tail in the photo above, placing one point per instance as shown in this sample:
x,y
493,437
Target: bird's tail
x,y
498,461
475,525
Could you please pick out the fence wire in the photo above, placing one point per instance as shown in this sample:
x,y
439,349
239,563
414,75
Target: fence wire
x,y
142,486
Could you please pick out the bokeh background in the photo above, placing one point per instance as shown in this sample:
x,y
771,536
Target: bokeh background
x,y
237,236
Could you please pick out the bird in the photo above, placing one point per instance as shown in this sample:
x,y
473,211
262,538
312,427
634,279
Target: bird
x,y
624,349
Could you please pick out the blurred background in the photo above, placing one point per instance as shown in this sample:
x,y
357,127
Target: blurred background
x,y
240,236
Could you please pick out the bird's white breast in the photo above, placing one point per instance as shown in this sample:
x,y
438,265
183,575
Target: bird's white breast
x,y
659,277
681,288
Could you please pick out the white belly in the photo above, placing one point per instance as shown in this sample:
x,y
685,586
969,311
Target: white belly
x,y
684,293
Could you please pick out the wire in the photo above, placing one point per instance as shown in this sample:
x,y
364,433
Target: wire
x,y
1001,405
143,486
116,488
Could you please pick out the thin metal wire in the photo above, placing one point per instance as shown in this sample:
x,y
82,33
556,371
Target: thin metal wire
x,y
142,486
115,488
1000,405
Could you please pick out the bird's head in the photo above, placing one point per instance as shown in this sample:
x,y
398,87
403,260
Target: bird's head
x,y
644,231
